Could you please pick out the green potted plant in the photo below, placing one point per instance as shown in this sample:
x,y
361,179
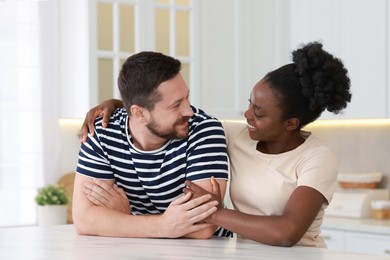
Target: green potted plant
x,y
52,205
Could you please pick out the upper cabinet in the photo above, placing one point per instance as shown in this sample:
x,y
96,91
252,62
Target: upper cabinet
x,y
240,42
356,31
243,40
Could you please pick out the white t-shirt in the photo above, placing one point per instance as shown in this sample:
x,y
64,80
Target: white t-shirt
x,y
261,184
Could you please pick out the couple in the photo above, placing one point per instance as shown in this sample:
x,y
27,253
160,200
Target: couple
x,y
159,166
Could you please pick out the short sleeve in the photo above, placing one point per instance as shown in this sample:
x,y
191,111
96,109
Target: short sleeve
x,y
207,151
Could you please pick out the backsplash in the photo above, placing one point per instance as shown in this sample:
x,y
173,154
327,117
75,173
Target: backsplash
x,y
361,146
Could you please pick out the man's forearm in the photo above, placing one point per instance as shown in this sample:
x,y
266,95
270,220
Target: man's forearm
x,y
102,221
182,217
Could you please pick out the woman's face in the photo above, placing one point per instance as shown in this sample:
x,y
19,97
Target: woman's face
x,y
264,116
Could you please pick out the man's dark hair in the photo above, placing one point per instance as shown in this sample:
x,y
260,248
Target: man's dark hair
x,y
140,76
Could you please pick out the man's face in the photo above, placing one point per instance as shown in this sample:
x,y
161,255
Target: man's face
x,y
169,118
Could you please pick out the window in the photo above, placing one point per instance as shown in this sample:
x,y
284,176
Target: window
x,y
125,27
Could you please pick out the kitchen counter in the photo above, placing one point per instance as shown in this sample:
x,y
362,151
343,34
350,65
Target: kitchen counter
x,y
365,225
62,242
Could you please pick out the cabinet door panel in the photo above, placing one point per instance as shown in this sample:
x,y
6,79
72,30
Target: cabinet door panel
x,y
334,239
355,31
250,38
367,243
247,40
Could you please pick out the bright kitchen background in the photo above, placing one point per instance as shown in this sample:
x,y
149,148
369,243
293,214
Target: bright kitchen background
x,y
58,58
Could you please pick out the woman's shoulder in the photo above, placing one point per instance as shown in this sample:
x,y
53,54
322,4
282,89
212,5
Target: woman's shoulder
x,y
234,125
235,128
315,146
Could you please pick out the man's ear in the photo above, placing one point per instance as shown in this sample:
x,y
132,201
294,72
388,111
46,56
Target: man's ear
x,y
138,113
292,123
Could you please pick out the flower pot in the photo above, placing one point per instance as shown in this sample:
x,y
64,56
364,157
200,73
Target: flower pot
x,y
52,215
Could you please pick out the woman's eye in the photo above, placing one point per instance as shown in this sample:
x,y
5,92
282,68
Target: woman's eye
x,y
257,115
257,112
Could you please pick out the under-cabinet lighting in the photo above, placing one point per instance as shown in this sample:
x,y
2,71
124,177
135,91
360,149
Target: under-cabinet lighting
x,y
337,122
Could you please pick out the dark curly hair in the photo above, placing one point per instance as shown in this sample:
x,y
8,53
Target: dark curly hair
x,y
315,81
140,76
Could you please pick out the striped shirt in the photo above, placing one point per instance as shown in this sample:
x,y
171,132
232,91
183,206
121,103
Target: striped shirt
x,y
153,179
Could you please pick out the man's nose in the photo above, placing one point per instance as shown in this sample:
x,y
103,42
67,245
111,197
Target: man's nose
x,y
187,110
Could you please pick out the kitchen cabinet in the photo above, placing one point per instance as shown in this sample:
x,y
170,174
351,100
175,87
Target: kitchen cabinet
x,y
357,235
240,42
334,238
356,31
357,242
367,243
250,38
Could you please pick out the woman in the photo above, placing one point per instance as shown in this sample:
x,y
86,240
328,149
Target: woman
x,y
283,178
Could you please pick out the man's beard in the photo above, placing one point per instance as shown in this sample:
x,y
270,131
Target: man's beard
x,y
168,134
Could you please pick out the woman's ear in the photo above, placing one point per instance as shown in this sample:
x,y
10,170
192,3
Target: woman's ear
x,y
292,123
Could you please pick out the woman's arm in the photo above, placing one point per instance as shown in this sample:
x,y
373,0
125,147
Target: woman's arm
x,y
105,109
284,230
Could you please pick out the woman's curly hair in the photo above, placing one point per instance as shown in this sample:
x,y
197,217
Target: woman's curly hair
x,y
315,81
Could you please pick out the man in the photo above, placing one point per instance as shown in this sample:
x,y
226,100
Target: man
x,y
149,149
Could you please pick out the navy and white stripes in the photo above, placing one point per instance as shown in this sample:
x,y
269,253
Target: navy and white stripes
x,y
153,179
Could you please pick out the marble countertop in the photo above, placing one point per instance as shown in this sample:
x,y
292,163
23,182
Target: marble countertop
x,y
62,242
366,225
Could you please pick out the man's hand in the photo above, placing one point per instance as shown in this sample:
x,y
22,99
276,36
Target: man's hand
x,y
198,191
104,109
102,194
183,216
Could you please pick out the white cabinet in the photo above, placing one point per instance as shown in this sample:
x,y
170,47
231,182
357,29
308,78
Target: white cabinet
x,y
243,40
367,243
356,31
357,242
334,239
240,42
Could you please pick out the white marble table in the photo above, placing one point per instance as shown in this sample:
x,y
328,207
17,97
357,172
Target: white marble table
x,y
62,242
